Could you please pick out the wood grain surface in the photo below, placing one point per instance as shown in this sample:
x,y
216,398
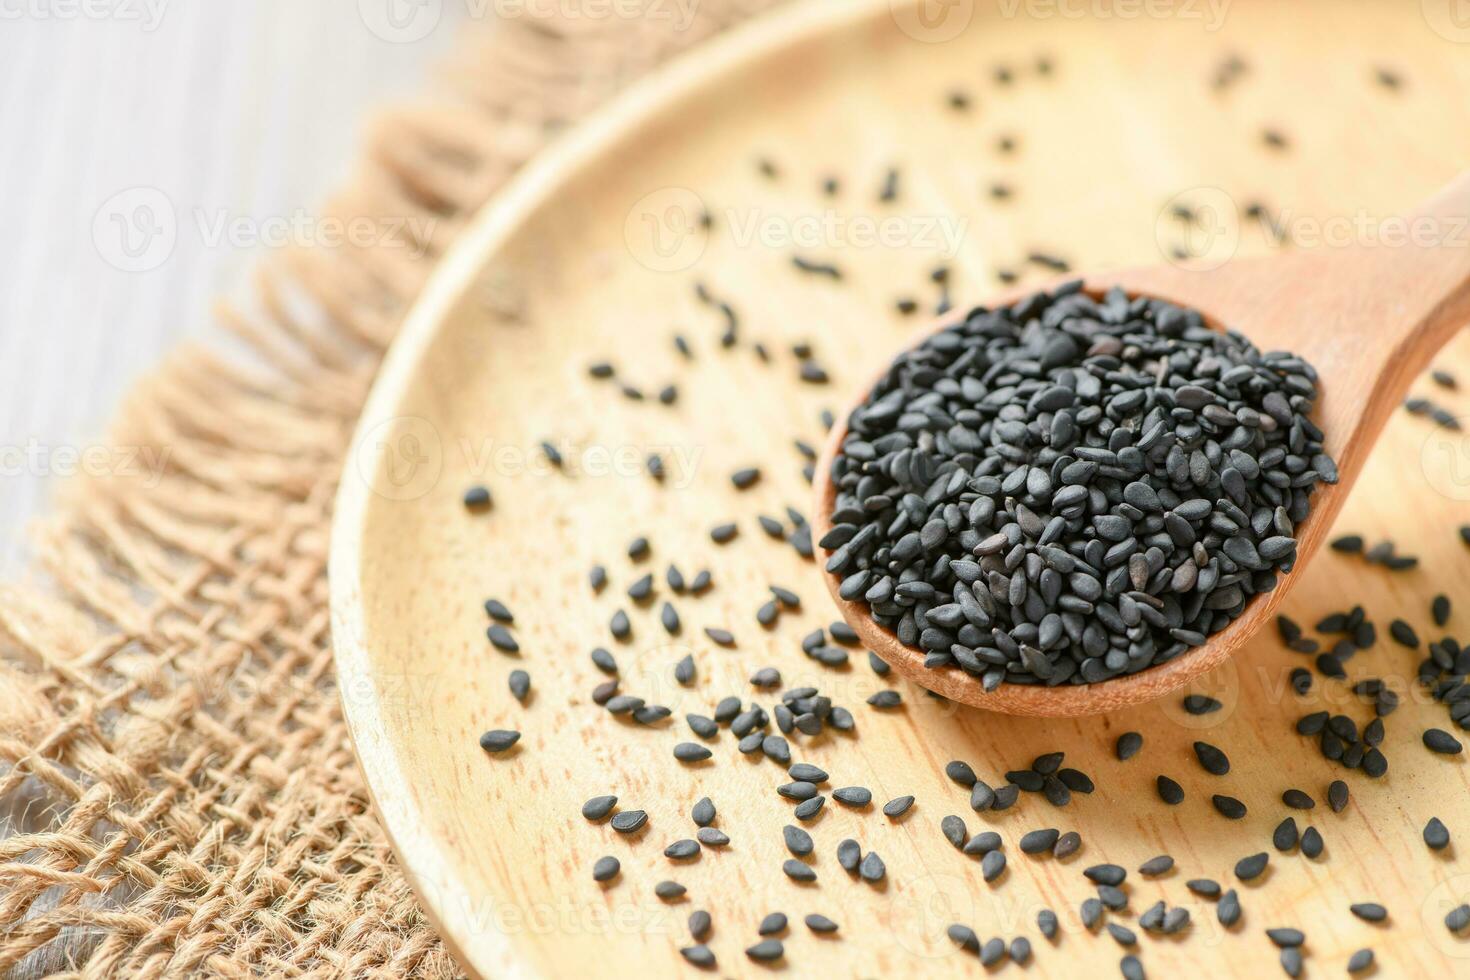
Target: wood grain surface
x,y
593,255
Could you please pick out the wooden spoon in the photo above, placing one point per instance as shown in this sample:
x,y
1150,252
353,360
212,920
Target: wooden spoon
x,y
1368,316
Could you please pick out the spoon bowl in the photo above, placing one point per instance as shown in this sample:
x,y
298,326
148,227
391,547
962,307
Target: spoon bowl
x,y
1367,317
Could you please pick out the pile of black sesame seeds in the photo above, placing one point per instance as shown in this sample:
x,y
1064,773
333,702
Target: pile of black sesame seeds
x,y
807,712
1069,489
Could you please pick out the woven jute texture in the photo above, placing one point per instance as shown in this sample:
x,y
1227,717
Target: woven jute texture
x,y
177,790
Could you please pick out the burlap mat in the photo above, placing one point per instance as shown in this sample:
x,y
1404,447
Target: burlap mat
x,y
177,788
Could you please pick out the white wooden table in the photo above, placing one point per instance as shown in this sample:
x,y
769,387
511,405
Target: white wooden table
x,y
122,119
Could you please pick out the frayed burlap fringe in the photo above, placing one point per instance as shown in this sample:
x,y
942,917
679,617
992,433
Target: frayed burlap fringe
x,y
177,791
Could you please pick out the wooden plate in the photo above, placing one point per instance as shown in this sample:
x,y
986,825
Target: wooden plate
x,y
593,254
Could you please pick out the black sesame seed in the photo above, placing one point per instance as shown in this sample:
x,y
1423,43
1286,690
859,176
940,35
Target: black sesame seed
x,y
886,699
798,841
872,869
1106,874
898,806
1249,868
1436,834
1311,842
1169,791
797,871
520,684
501,639
1091,912
1440,609
853,795
1228,806
606,869
745,478
772,923
1228,909
1440,741
1285,836
682,850
1067,845
499,739
691,752
1211,758
604,661
599,807
1204,887
1286,936
1156,866
699,955
1360,961
820,923
703,813
669,890
1369,911
768,949
1199,704
1128,745
1039,841
723,533
964,937
849,855
498,611
629,821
